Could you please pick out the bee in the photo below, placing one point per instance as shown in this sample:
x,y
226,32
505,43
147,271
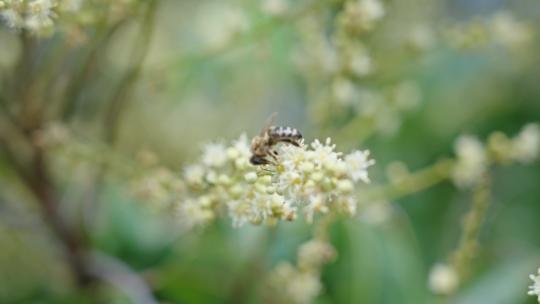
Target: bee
x,y
262,145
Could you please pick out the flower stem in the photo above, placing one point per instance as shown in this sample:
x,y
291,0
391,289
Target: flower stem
x,y
468,244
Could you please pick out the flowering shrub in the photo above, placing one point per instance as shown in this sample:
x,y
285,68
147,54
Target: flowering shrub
x,y
314,178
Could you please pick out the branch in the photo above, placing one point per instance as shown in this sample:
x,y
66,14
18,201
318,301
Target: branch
x,y
31,166
121,95
44,191
117,103
413,183
76,85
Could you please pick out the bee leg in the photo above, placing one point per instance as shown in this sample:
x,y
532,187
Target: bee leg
x,y
292,142
268,170
264,171
274,155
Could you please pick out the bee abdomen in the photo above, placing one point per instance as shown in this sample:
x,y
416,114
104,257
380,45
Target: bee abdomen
x,y
280,133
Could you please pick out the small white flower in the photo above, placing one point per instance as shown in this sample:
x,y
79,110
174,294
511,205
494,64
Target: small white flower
x,y
195,212
526,145
214,155
471,161
364,13
314,254
239,211
250,177
194,174
534,289
372,9
323,154
316,204
443,279
290,180
347,205
301,283
242,146
357,165
305,288
296,286
345,186
510,32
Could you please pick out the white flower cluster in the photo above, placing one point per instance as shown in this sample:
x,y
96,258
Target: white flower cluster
x,y
384,107
363,14
42,17
352,60
36,16
314,178
159,186
502,29
534,289
357,16
473,158
301,283
526,145
507,31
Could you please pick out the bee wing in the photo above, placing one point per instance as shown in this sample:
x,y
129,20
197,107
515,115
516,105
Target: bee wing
x,y
269,121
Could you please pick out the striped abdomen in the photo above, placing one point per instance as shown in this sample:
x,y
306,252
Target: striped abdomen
x,y
284,134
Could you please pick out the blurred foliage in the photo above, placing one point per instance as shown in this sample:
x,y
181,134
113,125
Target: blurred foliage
x,y
109,93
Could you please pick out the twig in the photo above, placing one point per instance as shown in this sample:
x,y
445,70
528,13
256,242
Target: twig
x,y
473,220
32,168
41,186
412,183
121,95
117,103
76,85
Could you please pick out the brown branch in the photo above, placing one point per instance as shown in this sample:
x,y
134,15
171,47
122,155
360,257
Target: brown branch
x,y
17,136
36,178
46,196
32,167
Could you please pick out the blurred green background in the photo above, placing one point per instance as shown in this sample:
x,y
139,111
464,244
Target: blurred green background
x,y
215,69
